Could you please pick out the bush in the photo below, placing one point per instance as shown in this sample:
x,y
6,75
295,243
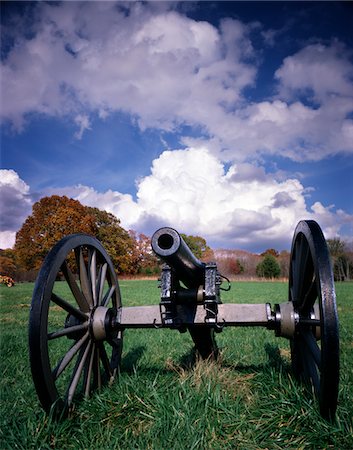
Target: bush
x,y
8,281
268,267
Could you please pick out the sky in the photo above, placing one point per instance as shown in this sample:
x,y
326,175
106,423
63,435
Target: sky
x,y
228,120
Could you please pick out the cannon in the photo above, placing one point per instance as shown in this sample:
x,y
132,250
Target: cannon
x,y
76,327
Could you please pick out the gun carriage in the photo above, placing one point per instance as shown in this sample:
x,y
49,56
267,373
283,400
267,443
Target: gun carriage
x,y
75,340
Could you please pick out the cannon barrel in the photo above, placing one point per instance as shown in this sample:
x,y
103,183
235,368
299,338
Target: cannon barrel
x,y
172,249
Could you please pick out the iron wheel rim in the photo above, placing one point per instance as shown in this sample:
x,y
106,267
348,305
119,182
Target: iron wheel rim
x,y
314,351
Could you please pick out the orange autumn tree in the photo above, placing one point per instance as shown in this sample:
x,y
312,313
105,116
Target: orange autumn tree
x,y
52,218
145,261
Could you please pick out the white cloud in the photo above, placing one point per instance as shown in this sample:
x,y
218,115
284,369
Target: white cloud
x,y
121,205
192,191
15,205
167,70
325,71
82,120
7,239
156,66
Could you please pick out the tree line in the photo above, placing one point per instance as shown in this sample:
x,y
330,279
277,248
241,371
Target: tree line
x,y
54,217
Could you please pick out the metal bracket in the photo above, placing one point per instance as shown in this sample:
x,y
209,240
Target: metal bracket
x,y
173,296
167,304
212,293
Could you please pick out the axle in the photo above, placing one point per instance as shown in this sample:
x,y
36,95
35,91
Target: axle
x,y
283,319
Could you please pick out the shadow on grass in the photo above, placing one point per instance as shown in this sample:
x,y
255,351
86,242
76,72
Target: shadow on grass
x,y
130,360
189,360
275,360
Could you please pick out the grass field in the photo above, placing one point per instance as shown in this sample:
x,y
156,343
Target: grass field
x,y
247,400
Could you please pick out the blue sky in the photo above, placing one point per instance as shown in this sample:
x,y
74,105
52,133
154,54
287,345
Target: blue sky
x,y
230,120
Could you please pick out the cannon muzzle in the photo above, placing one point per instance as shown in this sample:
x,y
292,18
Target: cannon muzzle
x,y
172,249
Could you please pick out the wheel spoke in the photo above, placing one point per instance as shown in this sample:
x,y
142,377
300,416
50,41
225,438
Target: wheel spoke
x,y
102,276
302,268
77,374
89,371
105,361
93,274
116,352
296,271
311,371
65,361
292,282
68,307
70,279
85,284
67,331
312,346
98,372
108,296
304,252
310,297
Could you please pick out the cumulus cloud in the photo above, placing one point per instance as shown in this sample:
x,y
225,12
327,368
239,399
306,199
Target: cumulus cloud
x,y
156,66
240,206
15,205
121,205
168,70
192,191
318,70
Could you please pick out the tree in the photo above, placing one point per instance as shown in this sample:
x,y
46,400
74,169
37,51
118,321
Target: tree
x,y
235,267
145,261
52,218
284,261
230,266
7,263
115,239
198,246
341,261
270,251
268,267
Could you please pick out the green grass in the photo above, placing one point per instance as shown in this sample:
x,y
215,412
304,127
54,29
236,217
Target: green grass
x,y
247,400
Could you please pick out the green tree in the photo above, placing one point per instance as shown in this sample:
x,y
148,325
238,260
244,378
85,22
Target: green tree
x,y
198,246
340,258
268,267
115,239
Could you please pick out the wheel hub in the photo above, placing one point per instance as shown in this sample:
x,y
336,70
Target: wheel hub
x,y
103,323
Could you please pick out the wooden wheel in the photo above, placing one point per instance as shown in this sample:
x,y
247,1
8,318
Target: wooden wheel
x,y
74,342
314,349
